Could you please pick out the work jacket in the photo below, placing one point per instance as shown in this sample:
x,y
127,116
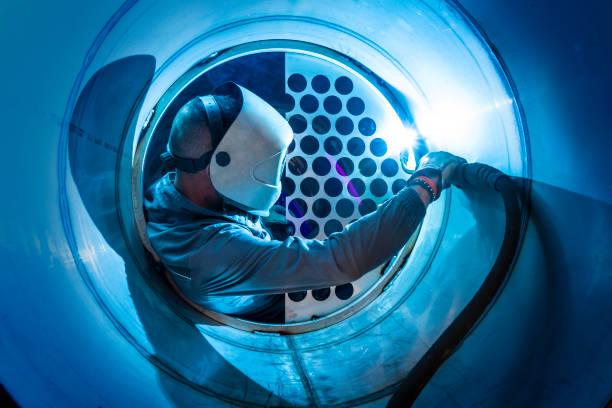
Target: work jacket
x,y
227,262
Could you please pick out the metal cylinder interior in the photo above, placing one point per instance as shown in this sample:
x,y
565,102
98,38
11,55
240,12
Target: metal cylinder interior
x,y
89,322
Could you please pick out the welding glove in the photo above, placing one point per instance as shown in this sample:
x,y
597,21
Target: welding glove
x,y
439,168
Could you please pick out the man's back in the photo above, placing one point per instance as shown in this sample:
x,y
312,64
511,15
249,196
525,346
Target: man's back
x,y
219,259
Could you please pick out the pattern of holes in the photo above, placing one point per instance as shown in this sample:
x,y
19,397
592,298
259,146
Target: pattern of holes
x,y
340,168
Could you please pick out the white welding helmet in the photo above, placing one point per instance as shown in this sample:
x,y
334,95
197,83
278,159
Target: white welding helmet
x,y
247,164
248,160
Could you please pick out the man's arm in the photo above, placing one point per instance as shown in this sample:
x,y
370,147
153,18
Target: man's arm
x,y
232,261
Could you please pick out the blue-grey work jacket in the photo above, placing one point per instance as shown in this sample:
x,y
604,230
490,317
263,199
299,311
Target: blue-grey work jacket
x,y
227,261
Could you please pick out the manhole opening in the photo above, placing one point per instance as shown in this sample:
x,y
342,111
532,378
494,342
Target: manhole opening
x,y
351,149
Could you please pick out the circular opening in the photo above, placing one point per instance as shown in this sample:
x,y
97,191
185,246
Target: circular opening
x,y
332,104
332,176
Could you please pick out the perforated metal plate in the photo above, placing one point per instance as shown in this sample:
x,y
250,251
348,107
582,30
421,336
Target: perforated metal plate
x,y
345,160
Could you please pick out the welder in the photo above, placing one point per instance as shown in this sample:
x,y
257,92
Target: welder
x,y
228,150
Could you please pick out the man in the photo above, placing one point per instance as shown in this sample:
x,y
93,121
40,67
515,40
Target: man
x,y
204,220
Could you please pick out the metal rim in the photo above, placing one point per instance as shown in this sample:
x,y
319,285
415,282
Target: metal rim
x,y
389,270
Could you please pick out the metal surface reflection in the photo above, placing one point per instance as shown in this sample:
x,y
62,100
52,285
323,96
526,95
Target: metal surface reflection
x,y
86,319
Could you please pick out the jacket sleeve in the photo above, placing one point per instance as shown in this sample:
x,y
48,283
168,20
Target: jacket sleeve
x,y
234,262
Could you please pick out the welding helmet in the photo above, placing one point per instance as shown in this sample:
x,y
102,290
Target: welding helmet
x,y
248,157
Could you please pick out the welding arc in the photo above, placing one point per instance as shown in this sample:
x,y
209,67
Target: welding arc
x,y
475,175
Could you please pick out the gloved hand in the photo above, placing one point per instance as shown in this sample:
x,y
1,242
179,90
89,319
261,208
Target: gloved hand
x,y
439,168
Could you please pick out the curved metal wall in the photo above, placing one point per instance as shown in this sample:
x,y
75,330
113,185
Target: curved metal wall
x,y
80,329
559,58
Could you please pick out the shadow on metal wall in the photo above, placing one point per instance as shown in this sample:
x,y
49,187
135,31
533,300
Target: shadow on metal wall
x,y
97,135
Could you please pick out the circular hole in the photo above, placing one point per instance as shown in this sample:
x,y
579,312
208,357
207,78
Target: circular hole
x,y
297,165
367,126
378,187
297,208
309,229
309,145
398,185
309,187
297,123
309,103
332,145
367,167
321,208
297,296
321,294
320,84
378,147
367,206
344,85
222,159
344,292
345,207
291,147
296,82
355,106
287,186
356,146
345,166
333,187
321,124
389,167
344,125
321,166
332,226
356,187
285,104
332,104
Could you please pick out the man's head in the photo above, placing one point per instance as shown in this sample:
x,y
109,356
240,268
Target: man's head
x,y
230,144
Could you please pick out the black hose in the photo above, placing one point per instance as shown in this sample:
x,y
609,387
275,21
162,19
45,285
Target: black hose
x,y
474,175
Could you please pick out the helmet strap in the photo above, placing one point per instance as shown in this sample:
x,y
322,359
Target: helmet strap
x,y
215,120
187,165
